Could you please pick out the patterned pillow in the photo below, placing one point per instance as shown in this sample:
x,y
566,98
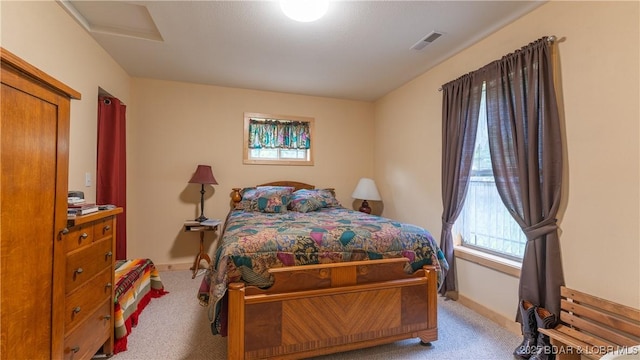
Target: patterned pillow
x,y
268,199
312,200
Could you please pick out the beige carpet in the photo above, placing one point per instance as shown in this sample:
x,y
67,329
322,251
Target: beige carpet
x,y
176,327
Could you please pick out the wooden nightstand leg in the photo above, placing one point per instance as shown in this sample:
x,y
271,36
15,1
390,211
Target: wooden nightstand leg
x,y
196,266
206,257
201,256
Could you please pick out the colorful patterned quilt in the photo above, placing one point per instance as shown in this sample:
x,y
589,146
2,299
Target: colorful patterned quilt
x,y
137,282
254,242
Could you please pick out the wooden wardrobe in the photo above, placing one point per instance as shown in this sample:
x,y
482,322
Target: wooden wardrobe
x,y
34,160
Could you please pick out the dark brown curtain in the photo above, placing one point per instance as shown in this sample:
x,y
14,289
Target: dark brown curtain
x,y
460,110
526,154
111,187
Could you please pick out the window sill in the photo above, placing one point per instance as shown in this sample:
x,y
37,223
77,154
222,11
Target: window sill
x,y
494,262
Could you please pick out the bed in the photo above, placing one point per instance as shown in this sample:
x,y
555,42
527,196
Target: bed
x,y
137,282
298,275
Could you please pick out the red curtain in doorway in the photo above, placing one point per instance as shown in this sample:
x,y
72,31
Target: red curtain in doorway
x,y
111,170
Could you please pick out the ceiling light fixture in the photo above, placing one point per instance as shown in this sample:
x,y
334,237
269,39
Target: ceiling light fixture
x,y
304,10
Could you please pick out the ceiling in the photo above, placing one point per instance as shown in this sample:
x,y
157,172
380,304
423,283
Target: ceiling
x,y
359,50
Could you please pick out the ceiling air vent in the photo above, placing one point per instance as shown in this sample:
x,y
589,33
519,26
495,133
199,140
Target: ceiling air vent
x,y
426,40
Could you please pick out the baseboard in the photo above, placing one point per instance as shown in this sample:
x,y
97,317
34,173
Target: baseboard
x,y
174,267
497,318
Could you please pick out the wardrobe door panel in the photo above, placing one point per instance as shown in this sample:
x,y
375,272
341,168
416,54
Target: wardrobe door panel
x,y
29,134
34,161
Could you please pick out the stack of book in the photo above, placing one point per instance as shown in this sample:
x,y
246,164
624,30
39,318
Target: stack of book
x,y
80,208
74,200
192,225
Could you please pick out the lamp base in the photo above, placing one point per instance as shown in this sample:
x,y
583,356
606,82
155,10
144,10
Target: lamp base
x,y
201,218
365,207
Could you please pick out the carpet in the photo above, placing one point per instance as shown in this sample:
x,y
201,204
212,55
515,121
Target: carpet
x,y
175,326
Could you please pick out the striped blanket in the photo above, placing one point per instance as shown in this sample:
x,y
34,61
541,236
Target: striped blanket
x,y
137,282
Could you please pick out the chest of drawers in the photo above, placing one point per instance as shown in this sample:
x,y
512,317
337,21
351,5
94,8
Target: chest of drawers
x,y
89,248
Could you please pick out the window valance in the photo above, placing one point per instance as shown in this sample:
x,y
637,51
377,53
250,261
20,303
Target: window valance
x,y
268,133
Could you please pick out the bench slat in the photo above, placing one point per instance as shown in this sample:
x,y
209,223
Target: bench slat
x,y
611,320
619,309
586,338
559,334
597,330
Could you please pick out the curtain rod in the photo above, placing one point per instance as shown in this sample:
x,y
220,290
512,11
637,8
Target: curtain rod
x,y
551,39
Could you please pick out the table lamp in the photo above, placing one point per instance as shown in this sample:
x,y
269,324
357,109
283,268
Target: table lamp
x,y
366,190
202,176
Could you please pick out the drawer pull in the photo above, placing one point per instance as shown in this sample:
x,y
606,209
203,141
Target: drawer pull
x,y
76,309
107,228
64,231
75,349
107,317
108,285
78,271
109,254
84,236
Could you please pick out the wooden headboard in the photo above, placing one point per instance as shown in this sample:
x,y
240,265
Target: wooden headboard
x,y
294,184
236,194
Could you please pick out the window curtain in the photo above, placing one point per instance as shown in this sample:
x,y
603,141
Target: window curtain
x,y
111,164
274,134
460,110
526,155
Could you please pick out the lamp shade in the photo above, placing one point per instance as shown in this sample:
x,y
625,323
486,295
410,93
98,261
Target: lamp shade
x,y
203,175
366,190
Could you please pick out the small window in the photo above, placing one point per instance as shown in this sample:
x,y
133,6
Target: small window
x,y
277,139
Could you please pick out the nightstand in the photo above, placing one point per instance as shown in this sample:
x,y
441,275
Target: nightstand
x,y
202,228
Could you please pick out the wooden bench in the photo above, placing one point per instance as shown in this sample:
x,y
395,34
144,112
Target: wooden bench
x,y
591,326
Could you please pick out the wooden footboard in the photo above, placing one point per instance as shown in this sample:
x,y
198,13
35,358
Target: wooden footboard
x,y
321,309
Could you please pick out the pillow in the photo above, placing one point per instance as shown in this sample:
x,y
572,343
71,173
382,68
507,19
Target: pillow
x,y
268,199
311,200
